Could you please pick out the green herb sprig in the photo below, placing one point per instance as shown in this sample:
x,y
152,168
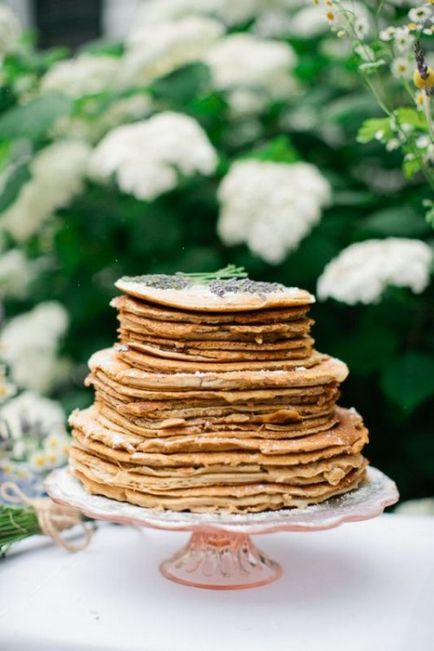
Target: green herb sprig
x,y
230,272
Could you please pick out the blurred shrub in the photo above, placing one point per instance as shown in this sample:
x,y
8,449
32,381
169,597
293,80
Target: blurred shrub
x,y
222,132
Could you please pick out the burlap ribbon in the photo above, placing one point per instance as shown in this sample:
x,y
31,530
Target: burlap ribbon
x,y
52,518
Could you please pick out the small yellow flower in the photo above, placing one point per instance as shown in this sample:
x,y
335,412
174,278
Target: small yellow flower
x,y
7,468
23,473
38,460
330,16
52,458
411,27
52,442
424,83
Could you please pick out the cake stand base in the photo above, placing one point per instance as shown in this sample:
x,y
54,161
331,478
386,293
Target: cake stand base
x,y
220,554
220,560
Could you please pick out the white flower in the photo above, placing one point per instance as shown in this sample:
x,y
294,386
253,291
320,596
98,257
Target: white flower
x,y
244,103
388,33
86,75
57,176
147,156
401,68
362,271
10,31
56,446
155,50
270,206
230,12
392,144
308,22
429,154
361,27
124,110
420,14
277,23
16,274
403,39
32,412
422,142
365,52
29,345
244,61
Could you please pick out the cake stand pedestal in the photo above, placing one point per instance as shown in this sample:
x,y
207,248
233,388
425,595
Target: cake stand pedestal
x,y
220,554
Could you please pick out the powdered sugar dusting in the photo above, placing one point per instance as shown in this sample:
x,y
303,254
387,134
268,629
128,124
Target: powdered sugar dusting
x,y
367,501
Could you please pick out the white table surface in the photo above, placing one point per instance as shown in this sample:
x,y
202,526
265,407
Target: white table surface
x,y
366,585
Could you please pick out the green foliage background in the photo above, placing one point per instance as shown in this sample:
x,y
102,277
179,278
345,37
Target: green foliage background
x,y
104,234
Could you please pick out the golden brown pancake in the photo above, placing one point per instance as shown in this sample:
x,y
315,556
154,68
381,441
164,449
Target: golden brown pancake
x,y
201,298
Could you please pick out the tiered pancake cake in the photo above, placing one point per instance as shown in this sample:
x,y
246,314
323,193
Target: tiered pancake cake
x,y
215,400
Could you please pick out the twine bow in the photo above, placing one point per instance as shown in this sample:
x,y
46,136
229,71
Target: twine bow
x,y
52,518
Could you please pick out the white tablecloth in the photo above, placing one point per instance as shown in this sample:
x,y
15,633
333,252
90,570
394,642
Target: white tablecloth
x,y
367,585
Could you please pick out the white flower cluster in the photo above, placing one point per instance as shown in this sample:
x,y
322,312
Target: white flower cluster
x,y
270,206
347,16
258,67
29,344
305,22
362,271
229,11
57,176
402,39
147,157
85,75
10,31
16,274
36,426
156,49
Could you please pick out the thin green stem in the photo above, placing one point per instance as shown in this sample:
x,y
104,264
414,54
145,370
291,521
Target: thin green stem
x,y
227,273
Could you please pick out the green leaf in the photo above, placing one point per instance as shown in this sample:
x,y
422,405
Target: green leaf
x,y
278,150
401,221
406,115
33,120
370,128
409,380
181,86
410,167
15,179
429,215
103,47
370,67
352,198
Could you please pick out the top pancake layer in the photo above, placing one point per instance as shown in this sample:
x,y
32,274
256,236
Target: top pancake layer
x,y
237,295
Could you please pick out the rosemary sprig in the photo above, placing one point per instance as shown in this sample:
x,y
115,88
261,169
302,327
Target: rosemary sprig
x,y
230,272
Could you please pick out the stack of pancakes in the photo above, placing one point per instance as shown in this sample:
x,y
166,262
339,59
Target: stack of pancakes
x,y
214,399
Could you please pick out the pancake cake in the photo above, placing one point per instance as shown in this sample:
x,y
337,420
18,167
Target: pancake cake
x,y
214,399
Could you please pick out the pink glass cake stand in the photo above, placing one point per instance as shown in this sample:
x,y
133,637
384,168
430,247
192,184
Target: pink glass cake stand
x,y
220,554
